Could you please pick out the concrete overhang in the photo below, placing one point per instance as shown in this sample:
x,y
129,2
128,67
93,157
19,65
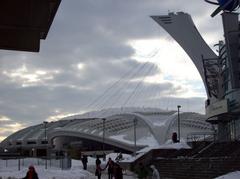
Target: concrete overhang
x,y
24,22
119,144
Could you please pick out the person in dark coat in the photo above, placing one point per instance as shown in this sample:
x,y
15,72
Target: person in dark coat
x,y
98,161
110,166
118,172
31,174
84,162
98,171
142,171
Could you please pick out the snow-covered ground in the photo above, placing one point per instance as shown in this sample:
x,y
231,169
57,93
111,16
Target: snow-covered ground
x,y
9,168
232,175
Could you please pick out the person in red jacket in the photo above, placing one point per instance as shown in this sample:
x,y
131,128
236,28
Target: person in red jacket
x,y
110,166
31,174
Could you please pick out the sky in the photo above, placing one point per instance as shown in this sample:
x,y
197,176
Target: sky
x,y
102,54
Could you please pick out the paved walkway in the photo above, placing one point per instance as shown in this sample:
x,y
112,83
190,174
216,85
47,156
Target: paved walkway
x,y
127,175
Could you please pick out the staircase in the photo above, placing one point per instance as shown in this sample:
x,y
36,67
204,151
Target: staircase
x,y
203,161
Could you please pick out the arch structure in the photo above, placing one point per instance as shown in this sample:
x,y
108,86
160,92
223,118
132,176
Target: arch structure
x,y
113,127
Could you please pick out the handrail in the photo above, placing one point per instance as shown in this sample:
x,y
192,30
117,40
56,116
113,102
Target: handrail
x,y
205,148
201,136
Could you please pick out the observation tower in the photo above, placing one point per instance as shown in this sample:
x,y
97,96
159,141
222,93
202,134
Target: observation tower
x,y
220,72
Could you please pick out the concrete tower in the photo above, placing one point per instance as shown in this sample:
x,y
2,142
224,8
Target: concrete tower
x,y
220,73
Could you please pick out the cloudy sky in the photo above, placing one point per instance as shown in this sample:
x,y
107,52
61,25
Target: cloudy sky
x,y
101,54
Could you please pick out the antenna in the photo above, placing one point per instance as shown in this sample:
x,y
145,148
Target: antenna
x,y
224,5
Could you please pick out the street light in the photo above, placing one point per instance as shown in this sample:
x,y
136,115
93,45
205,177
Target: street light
x,y
33,152
5,151
103,139
45,141
135,136
178,122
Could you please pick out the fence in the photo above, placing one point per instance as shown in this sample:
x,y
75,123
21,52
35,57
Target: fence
x,y
199,136
19,163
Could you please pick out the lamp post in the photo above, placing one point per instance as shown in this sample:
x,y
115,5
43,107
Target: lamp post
x,y
5,151
45,141
179,122
33,152
135,135
103,139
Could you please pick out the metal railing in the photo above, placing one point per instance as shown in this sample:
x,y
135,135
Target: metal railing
x,y
18,163
201,136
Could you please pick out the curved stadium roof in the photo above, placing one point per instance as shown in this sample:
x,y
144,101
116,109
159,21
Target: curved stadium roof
x,y
153,127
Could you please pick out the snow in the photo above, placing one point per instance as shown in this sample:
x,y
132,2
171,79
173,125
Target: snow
x,y
76,171
10,169
147,140
180,145
120,137
232,175
167,145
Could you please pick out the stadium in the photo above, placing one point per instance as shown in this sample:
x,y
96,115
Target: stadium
x,y
121,130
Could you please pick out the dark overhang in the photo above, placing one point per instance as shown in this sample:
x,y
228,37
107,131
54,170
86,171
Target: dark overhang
x,y
24,22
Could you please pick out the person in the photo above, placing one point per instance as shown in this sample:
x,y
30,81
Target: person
x,y
118,174
155,173
31,174
98,171
110,165
84,162
142,171
98,161
174,137
119,157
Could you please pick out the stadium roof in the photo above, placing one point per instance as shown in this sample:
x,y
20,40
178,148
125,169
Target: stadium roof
x,y
153,127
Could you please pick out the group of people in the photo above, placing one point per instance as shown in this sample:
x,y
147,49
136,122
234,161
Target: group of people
x,y
114,169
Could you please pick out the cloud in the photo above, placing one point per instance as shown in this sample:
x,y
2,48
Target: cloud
x,y
8,126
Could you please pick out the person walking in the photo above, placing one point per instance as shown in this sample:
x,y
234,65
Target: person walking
x,y
118,174
98,161
31,173
98,171
110,166
84,162
155,173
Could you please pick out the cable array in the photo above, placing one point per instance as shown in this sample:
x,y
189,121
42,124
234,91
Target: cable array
x,y
132,90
